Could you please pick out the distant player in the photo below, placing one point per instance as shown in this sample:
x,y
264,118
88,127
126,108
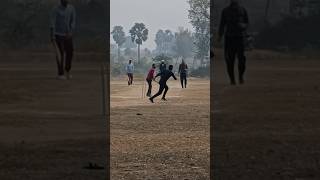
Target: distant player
x,y
62,26
130,69
162,66
183,67
165,75
149,79
233,26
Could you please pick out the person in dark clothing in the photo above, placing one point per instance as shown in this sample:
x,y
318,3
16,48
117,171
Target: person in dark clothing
x,y
162,66
183,73
62,26
150,78
233,25
165,75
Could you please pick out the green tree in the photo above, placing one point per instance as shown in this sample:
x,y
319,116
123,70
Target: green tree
x,y
139,34
119,37
18,23
199,15
128,43
160,40
183,43
164,41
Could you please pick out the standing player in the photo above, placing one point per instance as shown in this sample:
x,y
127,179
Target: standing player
x,y
63,19
162,66
183,73
233,26
165,75
130,69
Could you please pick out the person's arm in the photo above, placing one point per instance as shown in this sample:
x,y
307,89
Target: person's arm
x,y
159,74
222,24
73,20
174,77
52,23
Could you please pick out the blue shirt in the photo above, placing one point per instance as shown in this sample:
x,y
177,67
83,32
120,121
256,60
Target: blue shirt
x,y
63,20
130,68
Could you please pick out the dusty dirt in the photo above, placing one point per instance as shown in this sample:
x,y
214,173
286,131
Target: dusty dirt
x,y
268,129
50,129
165,140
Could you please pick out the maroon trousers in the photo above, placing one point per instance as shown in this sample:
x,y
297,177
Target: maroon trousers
x,y
65,46
130,78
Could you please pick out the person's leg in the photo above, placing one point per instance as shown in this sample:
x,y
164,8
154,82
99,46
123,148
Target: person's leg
x,y
165,92
149,87
128,79
69,55
241,60
230,55
185,81
60,57
131,78
161,88
181,79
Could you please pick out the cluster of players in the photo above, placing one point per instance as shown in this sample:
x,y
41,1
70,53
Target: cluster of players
x,y
164,75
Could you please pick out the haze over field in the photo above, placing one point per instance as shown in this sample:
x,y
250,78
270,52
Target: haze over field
x,y
155,14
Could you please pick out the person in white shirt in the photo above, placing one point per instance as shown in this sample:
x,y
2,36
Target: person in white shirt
x,y
130,69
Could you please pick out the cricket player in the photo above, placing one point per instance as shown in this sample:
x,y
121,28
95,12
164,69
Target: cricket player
x,y
165,75
63,21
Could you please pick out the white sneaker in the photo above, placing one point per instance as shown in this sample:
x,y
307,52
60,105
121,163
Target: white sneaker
x,y
69,76
61,77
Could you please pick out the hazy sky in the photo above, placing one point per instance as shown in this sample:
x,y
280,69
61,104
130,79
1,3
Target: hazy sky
x,y
155,14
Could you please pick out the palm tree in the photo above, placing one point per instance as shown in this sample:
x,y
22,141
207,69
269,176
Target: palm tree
x,y
139,33
119,37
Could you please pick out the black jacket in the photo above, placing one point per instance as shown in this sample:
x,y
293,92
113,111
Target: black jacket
x,y
165,75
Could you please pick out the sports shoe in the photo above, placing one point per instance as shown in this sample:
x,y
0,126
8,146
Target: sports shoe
x,y
68,76
151,100
163,99
61,77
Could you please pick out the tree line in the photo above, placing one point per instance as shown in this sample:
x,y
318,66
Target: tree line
x,y
181,44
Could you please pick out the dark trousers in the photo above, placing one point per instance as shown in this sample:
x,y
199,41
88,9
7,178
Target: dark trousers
x,y
130,78
149,86
234,47
183,79
163,86
65,46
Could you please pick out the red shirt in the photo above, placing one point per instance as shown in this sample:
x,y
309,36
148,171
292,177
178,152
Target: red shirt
x,y
150,74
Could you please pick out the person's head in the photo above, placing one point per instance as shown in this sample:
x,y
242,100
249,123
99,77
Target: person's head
x,y
153,66
64,2
170,67
235,1
182,61
162,61
130,61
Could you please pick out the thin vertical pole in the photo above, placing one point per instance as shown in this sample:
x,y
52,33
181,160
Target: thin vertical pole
x,y
103,88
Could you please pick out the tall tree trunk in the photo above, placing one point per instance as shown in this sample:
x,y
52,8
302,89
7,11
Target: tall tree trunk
x,y
201,62
118,54
138,53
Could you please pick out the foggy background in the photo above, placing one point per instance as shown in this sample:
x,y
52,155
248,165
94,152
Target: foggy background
x,y
155,14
